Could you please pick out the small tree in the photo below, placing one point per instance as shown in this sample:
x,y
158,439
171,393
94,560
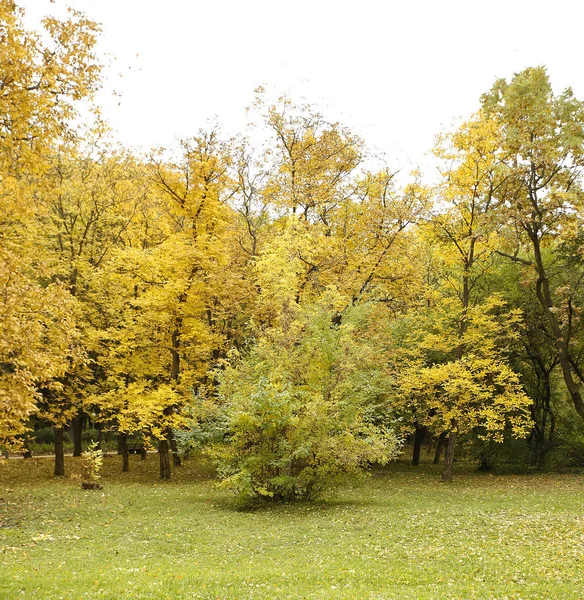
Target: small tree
x,y
91,464
477,392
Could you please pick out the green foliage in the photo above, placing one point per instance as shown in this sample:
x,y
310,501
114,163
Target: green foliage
x,y
295,408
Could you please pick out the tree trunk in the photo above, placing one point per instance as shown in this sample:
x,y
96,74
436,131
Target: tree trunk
x,y
59,454
76,429
546,301
419,436
449,456
27,452
439,446
123,445
164,459
174,375
176,462
486,459
143,454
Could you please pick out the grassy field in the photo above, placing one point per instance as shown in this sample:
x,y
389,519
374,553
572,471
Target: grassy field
x,y
401,535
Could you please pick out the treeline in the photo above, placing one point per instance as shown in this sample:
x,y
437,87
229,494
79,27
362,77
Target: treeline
x,y
276,299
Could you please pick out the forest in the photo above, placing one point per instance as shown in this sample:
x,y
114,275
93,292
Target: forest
x,y
285,302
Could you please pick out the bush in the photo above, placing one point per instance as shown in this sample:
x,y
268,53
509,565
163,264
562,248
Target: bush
x,y
91,464
46,435
295,410
89,435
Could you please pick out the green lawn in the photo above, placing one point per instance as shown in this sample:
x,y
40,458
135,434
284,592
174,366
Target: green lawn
x,y
401,535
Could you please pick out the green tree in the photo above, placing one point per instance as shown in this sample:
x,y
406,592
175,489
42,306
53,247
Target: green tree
x,y
541,135
295,407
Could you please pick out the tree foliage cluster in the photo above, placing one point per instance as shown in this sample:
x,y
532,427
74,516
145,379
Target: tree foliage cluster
x,y
284,301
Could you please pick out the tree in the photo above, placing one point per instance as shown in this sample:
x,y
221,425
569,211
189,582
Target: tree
x,y
315,160
179,297
39,341
463,227
42,79
542,137
295,406
474,392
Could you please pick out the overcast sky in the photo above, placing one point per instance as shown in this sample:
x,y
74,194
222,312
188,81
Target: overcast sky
x,y
396,72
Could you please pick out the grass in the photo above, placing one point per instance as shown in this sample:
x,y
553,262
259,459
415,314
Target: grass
x,y
401,535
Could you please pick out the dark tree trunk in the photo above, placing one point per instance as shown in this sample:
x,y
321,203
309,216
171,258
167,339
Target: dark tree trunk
x,y
59,454
176,462
175,345
449,456
542,434
164,459
76,429
143,454
27,453
484,463
544,296
486,460
123,445
174,375
419,436
439,446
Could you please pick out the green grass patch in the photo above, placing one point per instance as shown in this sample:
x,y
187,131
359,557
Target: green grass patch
x,y
401,535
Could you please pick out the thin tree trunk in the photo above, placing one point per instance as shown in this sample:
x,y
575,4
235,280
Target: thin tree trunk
x,y
419,436
164,459
449,456
76,429
176,461
27,451
439,446
59,454
123,445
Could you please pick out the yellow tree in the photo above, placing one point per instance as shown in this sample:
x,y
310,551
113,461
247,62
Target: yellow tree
x,y
180,297
463,230
542,137
313,160
90,205
375,238
39,341
42,79
458,393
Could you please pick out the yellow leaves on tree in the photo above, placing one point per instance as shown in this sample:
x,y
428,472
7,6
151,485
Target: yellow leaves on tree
x,y
37,345
459,382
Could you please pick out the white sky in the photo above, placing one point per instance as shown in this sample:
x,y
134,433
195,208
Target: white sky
x,y
396,72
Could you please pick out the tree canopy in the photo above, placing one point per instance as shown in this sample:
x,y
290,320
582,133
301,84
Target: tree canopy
x,y
290,303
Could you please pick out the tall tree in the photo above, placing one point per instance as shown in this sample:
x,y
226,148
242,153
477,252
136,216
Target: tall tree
x,y
42,76
463,228
542,137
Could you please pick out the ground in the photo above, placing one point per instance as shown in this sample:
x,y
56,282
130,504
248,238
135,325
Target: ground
x,y
401,534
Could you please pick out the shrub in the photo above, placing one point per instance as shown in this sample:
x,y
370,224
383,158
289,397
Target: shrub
x,y
295,411
46,435
89,435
